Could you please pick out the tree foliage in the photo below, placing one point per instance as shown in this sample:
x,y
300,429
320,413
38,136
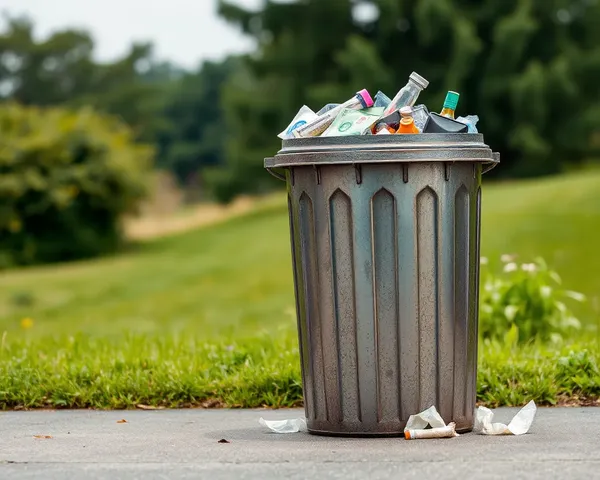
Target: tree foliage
x,y
61,70
66,179
528,68
177,110
195,132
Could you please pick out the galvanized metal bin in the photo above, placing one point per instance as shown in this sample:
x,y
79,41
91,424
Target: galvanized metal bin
x,y
385,249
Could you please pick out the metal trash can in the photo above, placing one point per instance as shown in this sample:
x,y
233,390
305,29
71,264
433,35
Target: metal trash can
x,y
385,248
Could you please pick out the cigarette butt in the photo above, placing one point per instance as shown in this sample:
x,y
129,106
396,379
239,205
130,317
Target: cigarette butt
x,y
442,432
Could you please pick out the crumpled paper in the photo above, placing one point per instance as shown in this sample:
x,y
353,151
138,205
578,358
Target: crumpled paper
x,y
519,425
304,116
293,425
416,426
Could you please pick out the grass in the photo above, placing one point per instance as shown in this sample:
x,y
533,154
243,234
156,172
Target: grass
x,y
207,317
555,218
182,370
234,277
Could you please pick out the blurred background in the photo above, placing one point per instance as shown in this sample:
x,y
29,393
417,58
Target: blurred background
x,y
129,128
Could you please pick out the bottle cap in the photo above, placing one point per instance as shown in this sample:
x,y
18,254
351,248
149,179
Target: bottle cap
x,y
419,80
406,112
451,100
365,98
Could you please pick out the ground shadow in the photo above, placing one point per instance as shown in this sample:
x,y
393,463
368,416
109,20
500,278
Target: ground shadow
x,y
260,434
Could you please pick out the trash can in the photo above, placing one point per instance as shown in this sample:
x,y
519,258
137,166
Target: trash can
x,y
385,249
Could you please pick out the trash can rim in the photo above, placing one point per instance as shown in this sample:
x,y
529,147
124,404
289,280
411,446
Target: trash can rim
x,y
428,147
391,142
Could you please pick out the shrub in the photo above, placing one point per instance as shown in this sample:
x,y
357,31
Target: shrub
x,y
66,178
526,302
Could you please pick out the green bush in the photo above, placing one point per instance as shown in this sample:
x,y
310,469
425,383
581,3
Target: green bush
x,y
66,178
524,302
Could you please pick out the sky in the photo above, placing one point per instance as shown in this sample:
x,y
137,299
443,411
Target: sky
x,y
183,31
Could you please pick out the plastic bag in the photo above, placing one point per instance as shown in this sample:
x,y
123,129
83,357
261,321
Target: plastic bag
x,y
470,121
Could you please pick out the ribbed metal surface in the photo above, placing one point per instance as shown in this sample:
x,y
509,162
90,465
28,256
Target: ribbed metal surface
x,y
386,271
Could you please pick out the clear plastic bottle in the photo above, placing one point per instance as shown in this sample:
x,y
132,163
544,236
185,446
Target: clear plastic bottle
x,y
408,95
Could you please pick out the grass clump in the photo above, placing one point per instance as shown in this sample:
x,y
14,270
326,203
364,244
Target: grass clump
x,y
170,371
181,371
548,375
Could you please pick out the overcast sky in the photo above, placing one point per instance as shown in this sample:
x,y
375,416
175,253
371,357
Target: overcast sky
x,y
184,31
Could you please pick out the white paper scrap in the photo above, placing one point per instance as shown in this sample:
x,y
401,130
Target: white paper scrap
x,y
426,417
293,425
520,424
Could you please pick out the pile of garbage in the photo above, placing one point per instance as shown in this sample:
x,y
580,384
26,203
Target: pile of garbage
x,y
363,115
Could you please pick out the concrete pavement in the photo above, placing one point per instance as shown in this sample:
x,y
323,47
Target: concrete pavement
x,y
183,444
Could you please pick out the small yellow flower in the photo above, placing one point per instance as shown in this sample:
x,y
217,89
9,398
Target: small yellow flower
x,y
72,191
15,226
26,323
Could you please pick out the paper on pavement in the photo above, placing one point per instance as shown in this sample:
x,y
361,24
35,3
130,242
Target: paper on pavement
x,y
293,425
519,425
426,417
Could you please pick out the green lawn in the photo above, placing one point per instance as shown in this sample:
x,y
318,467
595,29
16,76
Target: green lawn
x,y
208,315
555,218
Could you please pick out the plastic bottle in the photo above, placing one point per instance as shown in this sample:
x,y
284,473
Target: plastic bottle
x,y
450,104
407,124
408,95
327,107
315,128
420,115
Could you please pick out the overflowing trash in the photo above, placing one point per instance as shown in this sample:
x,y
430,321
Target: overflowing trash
x,y
365,115
320,124
353,122
304,116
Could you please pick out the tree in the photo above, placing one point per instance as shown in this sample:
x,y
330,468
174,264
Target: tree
x,y
528,68
66,179
178,111
46,72
60,70
195,133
